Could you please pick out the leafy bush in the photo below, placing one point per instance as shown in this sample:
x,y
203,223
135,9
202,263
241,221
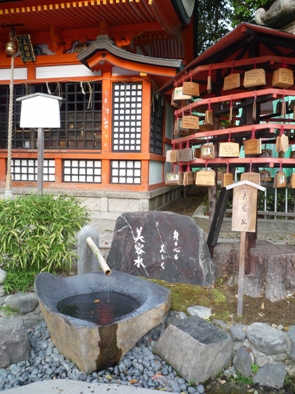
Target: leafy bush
x,y
38,232
19,280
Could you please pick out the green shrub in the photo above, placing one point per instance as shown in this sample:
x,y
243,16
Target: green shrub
x,y
19,280
38,232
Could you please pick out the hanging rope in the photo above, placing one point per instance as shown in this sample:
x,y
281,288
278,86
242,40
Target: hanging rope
x,y
10,120
90,96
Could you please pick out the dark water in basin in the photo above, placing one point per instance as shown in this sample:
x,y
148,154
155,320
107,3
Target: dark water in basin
x,y
100,307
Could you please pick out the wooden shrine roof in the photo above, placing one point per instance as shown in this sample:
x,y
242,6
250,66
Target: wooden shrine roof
x,y
122,20
245,45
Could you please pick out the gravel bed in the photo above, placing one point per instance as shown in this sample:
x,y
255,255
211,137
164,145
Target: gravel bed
x,y
140,367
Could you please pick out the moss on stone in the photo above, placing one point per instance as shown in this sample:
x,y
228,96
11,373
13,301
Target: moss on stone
x,y
184,295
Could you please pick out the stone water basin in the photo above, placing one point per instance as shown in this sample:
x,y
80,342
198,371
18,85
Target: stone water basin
x,y
97,345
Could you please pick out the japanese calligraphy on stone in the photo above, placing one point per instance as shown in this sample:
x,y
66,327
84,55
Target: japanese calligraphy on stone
x,y
139,245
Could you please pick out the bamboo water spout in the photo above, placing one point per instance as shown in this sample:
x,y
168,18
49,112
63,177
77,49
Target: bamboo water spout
x,y
103,264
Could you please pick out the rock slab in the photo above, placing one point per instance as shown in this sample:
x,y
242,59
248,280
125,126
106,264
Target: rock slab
x,y
195,348
161,245
14,342
267,339
271,375
22,302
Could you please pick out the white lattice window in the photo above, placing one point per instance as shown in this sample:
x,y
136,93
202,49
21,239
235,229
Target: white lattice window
x,y
127,113
88,171
27,170
126,171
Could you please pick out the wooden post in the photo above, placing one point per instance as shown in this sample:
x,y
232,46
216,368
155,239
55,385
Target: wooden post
x,y
241,273
244,220
40,160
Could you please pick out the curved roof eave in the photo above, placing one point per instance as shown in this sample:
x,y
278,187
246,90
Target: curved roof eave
x,y
103,43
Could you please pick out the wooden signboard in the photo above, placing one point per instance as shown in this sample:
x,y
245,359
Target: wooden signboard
x,y
244,209
191,89
190,122
292,180
205,178
40,110
229,149
244,220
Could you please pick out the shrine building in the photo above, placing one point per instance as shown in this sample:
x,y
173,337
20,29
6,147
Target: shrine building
x,y
106,60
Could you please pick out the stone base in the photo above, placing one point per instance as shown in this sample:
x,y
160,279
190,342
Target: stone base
x,y
271,273
109,204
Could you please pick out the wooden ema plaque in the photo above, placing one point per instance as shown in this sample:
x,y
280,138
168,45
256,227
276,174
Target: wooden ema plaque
x,y
292,180
252,146
251,176
207,151
255,77
178,127
190,122
185,154
174,178
179,95
282,143
265,175
232,81
208,120
227,179
244,209
191,89
283,78
197,153
280,180
205,178
188,178
171,156
229,149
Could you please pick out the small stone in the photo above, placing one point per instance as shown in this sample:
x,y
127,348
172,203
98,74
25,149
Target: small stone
x,y
200,311
2,276
2,291
200,389
220,323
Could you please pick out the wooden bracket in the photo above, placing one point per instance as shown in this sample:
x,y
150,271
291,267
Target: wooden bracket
x,y
56,41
